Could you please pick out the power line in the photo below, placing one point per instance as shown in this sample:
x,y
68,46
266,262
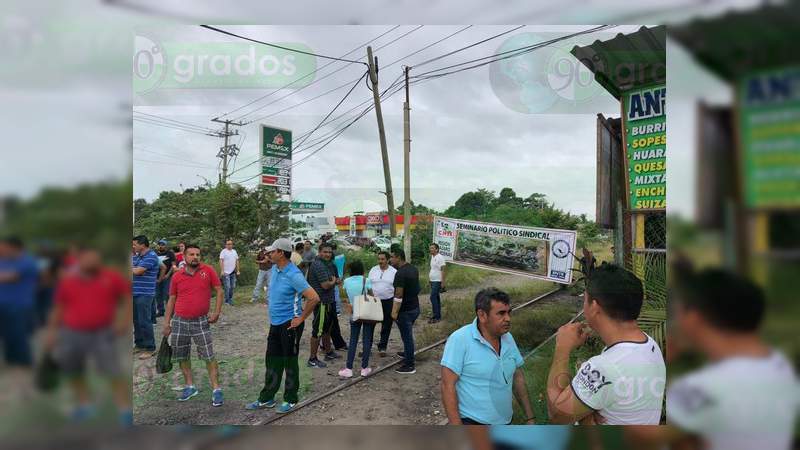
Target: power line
x,y
174,127
308,134
321,95
308,75
218,30
174,164
509,53
333,110
469,46
167,155
177,122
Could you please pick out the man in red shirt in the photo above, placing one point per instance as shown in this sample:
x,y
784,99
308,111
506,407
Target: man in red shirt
x,y
189,296
92,308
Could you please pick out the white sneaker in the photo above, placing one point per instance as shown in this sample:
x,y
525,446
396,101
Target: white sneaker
x,y
366,371
346,373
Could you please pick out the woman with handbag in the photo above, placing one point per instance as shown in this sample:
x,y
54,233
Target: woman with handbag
x,y
365,311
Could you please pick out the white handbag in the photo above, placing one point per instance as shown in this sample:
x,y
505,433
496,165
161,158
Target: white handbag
x,y
367,308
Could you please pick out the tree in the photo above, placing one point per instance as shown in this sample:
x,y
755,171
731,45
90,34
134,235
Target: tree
x,y
508,197
472,205
97,214
417,209
208,216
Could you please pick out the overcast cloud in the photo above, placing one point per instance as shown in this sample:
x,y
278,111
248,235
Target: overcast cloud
x,y
66,102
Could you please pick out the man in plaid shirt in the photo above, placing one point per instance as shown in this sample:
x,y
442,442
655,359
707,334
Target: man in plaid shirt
x,y
189,295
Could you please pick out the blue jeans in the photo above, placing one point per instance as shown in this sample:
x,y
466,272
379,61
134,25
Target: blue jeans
x,y
162,296
405,322
436,301
16,328
229,283
142,322
355,330
262,281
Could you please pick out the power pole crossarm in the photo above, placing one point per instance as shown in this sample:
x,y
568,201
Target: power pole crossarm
x,y
373,78
226,151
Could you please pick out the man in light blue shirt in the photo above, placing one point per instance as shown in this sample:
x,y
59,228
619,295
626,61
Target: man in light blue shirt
x,y
287,285
481,367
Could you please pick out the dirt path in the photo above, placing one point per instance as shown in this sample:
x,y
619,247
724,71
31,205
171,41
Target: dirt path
x,y
240,340
389,398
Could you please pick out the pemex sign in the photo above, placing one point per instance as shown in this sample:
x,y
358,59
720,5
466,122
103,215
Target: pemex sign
x,y
276,160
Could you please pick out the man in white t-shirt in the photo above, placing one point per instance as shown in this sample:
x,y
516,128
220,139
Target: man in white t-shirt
x,y
436,277
228,269
746,397
624,384
382,279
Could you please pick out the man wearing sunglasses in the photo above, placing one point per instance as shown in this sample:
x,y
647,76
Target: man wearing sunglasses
x,y
482,367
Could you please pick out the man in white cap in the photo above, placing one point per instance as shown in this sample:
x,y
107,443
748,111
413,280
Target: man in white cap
x,y
287,286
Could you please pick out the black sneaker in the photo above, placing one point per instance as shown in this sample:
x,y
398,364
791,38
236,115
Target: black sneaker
x,y
401,354
331,356
316,363
433,320
406,369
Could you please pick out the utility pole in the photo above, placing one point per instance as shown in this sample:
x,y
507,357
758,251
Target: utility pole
x,y
227,151
407,172
373,78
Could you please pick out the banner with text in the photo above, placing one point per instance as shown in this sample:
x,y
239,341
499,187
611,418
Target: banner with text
x,y
543,253
645,116
769,125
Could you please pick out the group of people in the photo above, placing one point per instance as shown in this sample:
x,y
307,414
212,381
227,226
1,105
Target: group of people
x,y
299,282
298,291
89,309
482,366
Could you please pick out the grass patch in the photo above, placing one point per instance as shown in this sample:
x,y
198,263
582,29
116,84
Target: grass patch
x,y
458,311
536,369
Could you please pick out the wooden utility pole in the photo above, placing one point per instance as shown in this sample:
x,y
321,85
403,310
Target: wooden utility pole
x,y
373,78
407,172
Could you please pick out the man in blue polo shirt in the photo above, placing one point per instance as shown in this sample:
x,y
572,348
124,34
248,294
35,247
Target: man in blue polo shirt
x,y
481,367
18,278
145,268
287,284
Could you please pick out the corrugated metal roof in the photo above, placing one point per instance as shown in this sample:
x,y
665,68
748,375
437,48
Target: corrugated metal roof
x,y
627,62
741,42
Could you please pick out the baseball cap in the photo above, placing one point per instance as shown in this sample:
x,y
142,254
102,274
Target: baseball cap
x,y
281,244
163,242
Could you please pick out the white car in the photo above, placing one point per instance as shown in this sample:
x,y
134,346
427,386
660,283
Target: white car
x,y
384,244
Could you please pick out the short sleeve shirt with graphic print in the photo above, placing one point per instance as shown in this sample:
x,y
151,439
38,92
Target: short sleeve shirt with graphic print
x,y
625,383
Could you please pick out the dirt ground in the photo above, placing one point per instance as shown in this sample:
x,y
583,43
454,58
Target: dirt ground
x,y
240,343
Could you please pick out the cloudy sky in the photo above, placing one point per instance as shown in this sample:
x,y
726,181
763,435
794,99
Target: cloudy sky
x,y
66,102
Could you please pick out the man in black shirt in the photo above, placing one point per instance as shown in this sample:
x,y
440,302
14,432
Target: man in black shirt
x,y
167,257
322,276
405,309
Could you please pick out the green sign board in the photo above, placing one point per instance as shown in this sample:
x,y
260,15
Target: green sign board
x,y
645,119
769,127
303,207
276,159
275,171
276,142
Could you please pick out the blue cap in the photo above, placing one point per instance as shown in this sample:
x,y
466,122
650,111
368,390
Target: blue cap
x,y
163,242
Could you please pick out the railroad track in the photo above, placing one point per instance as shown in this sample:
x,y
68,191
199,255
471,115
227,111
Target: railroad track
x,y
276,417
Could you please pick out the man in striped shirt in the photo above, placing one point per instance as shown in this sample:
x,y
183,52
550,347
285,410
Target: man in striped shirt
x,y
145,268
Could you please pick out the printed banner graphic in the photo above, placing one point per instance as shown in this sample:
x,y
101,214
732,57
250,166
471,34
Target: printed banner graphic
x,y
543,253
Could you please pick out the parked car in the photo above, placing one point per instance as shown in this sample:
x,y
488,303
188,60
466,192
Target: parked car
x,y
383,244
